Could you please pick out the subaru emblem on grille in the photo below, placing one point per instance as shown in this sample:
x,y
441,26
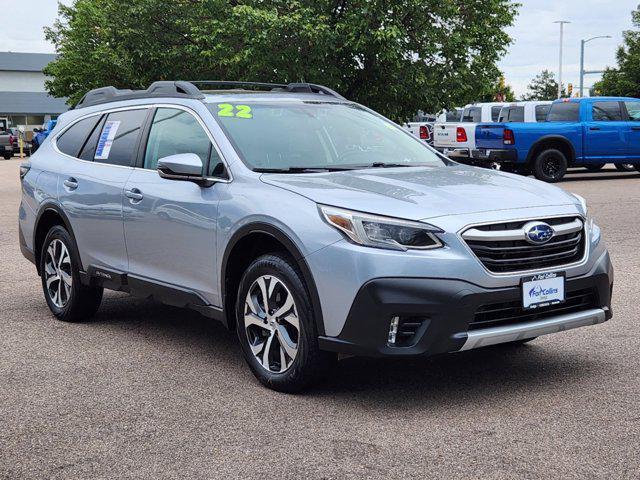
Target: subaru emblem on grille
x,y
538,233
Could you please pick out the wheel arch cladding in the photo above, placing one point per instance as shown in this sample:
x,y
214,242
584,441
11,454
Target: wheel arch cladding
x,y
552,142
247,244
49,216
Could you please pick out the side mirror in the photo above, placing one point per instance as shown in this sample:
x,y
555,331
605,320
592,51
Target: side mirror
x,y
183,166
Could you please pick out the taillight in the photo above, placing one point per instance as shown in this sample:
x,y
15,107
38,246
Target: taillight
x,y
424,133
508,138
461,135
11,139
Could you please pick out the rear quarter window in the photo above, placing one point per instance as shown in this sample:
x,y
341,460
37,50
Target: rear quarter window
x,y
73,139
512,114
495,113
472,114
564,112
541,112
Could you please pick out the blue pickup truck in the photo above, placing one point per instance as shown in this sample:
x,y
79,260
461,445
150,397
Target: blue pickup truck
x,y
587,132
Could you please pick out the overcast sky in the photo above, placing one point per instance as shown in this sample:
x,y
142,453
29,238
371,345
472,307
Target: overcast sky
x,y
535,46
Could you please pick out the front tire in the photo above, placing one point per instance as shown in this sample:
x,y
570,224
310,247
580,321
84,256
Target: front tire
x,y
68,299
275,325
550,166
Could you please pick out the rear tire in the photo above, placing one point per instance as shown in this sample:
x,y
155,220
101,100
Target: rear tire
x,y
625,167
550,166
278,336
596,167
68,299
7,156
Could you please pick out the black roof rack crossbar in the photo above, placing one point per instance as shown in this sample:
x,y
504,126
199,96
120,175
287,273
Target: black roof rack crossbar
x,y
156,89
182,89
287,87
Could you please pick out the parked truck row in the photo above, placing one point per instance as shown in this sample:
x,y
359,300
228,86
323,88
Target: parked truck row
x,y
544,138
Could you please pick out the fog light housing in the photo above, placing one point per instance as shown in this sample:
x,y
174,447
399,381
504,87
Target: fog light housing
x,y
406,331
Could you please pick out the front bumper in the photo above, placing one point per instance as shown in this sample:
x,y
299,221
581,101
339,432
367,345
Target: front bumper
x,y
495,155
447,307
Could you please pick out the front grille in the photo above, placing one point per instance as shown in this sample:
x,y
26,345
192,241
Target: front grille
x,y
515,255
509,313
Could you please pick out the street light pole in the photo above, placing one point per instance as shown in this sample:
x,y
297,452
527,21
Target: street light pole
x,y
582,72
561,22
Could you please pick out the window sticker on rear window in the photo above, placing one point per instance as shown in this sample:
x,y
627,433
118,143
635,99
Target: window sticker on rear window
x,y
106,139
238,111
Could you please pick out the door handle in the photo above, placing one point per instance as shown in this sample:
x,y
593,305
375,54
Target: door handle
x,y
71,183
635,128
134,194
594,128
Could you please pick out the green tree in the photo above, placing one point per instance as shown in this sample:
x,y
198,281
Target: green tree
x,y
499,92
395,56
625,79
543,87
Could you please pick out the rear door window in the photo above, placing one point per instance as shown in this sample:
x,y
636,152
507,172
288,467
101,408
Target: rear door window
x,y
512,114
633,109
454,117
495,113
74,138
118,141
541,112
564,112
606,112
472,114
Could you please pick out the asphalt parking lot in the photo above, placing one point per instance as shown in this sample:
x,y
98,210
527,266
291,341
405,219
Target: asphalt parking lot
x,y
149,391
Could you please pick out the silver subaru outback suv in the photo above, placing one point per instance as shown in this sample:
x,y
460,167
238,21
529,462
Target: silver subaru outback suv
x,y
308,223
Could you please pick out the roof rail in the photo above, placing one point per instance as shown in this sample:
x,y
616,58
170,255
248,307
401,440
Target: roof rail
x,y
287,87
156,89
182,89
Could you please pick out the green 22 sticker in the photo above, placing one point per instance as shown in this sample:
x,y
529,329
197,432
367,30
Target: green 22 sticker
x,y
239,111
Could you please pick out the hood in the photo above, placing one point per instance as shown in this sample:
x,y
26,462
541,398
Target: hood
x,y
420,193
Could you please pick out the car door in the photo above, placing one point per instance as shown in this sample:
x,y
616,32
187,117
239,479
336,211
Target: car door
x,y
605,132
170,225
632,151
101,150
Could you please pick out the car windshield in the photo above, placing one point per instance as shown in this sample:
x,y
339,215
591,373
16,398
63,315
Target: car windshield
x,y
317,135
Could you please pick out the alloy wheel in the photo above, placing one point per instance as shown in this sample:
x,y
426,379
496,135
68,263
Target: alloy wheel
x,y
551,167
57,271
272,324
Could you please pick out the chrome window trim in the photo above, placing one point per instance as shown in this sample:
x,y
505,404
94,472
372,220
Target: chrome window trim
x,y
519,273
54,140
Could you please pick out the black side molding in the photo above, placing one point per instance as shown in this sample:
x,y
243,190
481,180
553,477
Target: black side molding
x,y
140,287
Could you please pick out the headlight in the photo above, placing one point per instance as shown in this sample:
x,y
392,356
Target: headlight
x,y
382,232
583,204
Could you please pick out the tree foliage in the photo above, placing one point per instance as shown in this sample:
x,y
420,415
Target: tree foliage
x,y
499,92
624,81
393,55
543,87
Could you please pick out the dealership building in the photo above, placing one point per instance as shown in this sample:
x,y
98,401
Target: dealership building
x,y
24,102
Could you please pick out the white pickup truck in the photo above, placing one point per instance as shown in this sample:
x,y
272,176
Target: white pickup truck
x,y
528,112
457,140
423,127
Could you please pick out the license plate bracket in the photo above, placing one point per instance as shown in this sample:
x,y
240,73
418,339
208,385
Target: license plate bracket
x,y
543,290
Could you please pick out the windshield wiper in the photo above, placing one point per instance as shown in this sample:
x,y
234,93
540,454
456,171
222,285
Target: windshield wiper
x,y
393,165
302,169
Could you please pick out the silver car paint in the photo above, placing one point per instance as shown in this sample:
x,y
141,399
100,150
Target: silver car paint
x,y
179,232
